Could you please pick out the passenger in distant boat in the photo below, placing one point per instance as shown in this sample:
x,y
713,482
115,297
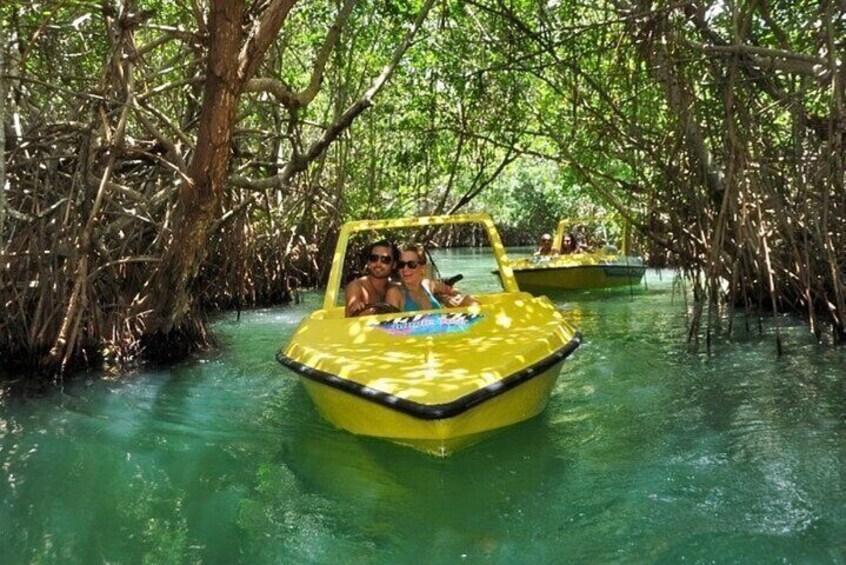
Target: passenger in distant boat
x,y
570,244
545,246
416,292
367,294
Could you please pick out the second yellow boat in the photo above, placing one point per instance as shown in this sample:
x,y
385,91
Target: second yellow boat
x,y
604,267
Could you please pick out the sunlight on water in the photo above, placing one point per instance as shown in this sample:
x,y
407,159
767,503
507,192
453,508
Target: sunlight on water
x,y
646,453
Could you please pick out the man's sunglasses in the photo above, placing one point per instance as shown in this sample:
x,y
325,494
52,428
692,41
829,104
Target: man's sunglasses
x,y
384,259
409,264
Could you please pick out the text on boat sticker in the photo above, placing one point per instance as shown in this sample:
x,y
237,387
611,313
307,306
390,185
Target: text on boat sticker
x,y
429,324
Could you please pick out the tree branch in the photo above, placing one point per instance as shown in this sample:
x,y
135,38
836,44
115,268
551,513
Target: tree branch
x,y
305,97
261,36
298,164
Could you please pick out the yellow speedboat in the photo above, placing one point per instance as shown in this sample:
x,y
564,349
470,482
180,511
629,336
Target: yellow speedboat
x,y
601,268
436,380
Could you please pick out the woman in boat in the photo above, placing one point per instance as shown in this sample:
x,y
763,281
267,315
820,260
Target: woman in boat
x,y
416,292
570,244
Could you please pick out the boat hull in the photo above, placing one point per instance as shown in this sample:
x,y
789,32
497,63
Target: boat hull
x,y
439,436
578,277
436,381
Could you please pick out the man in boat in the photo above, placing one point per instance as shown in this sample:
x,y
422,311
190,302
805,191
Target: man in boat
x,y
545,246
366,294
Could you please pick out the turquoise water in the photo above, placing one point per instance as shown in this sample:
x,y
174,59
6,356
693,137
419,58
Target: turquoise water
x,y
647,453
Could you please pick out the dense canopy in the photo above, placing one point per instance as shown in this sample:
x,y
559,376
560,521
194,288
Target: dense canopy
x,y
165,158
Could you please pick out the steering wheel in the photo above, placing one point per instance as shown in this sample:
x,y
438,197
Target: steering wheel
x,y
372,308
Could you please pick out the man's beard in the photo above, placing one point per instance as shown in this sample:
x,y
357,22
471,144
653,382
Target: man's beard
x,y
375,276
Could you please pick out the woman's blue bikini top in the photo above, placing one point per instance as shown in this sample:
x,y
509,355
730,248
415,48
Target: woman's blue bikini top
x,y
412,305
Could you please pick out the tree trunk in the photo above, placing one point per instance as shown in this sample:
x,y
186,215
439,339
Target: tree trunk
x,y
229,67
200,196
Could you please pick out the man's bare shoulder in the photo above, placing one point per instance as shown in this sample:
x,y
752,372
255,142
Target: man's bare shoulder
x,y
355,284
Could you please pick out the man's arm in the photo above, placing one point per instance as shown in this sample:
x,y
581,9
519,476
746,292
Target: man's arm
x,y
354,298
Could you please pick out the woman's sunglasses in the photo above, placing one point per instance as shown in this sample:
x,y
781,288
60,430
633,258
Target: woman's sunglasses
x,y
384,259
409,264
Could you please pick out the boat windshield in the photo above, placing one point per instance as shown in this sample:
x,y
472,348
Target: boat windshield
x,y
448,242
606,234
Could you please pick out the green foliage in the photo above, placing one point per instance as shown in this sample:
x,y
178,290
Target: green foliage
x,y
533,199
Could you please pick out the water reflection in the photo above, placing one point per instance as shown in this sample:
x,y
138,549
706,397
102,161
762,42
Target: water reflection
x,y
363,489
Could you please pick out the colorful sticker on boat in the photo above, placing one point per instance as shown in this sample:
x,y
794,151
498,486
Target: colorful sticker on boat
x,y
428,324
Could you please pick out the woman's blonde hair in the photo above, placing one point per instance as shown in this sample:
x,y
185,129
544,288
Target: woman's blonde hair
x,y
414,247
422,256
